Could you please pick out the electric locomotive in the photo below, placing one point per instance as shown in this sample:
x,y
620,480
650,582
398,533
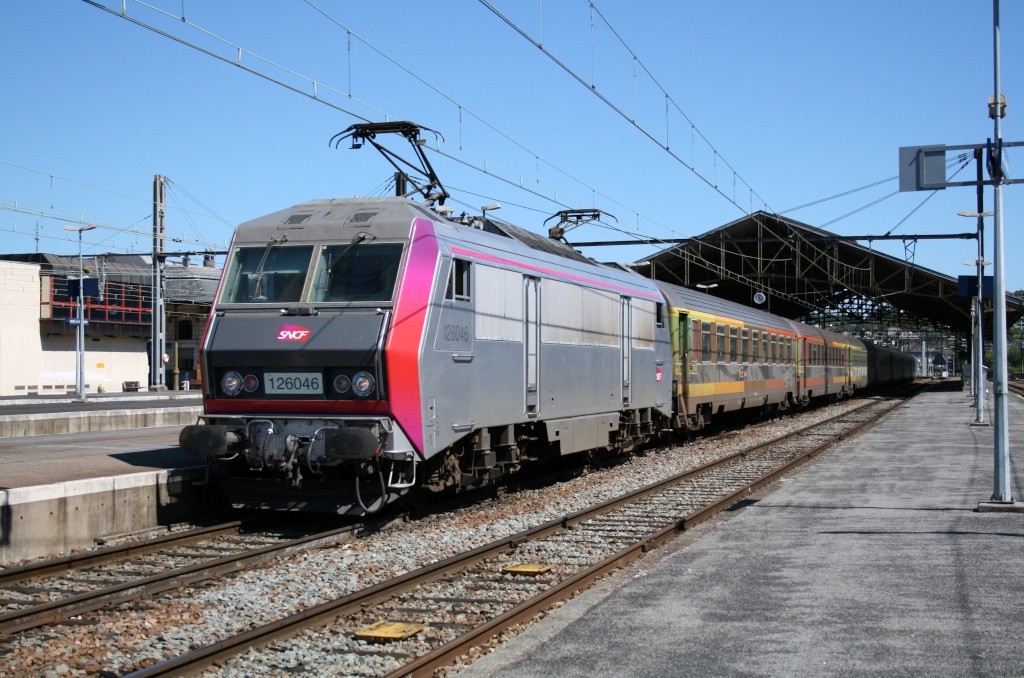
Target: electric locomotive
x,y
363,349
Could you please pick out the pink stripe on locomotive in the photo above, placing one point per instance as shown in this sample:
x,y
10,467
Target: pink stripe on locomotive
x,y
408,329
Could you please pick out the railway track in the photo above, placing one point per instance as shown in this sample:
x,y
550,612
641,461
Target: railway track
x,y
61,588
425,619
1016,386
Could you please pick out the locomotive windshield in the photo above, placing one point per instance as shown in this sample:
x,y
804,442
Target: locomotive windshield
x,y
356,272
276,273
266,274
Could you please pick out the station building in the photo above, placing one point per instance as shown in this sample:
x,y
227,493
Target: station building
x,y
37,334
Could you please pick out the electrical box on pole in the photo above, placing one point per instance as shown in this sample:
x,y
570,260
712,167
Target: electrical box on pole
x,y
156,345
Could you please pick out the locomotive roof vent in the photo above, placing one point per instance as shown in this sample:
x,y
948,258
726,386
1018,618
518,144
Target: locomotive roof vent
x,y
362,217
297,218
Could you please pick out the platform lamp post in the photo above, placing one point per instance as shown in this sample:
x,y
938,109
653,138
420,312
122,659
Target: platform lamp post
x,y
80,329
979,327
701,286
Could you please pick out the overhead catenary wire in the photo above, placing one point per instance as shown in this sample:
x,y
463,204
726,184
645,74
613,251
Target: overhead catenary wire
x,y
486,166
555,197
596,91
208,213
74,217
565,201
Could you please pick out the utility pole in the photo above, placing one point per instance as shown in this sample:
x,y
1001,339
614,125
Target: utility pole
x,y
156,352
80,318
1001,493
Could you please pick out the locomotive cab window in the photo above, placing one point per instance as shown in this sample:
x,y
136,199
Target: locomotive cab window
x,y
361,272
266,274
459,281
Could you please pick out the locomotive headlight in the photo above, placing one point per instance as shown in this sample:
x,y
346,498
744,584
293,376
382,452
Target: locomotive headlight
x,y
231,383
342,383
362,384
250,383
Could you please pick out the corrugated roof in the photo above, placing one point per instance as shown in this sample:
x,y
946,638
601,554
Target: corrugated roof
x,y
804,270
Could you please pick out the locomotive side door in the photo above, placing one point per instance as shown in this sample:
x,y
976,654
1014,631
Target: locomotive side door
x,y
531,341
627,348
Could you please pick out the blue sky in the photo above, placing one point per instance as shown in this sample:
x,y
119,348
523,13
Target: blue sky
x,y
802,99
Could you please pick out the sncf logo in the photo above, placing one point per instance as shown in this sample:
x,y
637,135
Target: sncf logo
x,y
292,333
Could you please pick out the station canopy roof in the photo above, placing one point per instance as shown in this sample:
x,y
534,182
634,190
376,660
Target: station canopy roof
x,y
809,274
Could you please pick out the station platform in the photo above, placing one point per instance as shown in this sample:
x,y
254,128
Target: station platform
x,y
871,560
72,472
43,415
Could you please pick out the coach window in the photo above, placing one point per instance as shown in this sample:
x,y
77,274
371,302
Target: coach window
x,y
746,346
720,346
459,281
659,315
705,342
695,343
733,349
755,344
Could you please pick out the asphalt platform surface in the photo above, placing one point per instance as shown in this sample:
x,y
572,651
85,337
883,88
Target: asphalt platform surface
x,y
870,561
44,459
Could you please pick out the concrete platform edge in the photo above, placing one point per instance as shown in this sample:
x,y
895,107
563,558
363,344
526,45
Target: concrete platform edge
x,y
24,425
50,520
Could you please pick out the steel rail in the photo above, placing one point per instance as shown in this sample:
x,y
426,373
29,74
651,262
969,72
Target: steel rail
x,y
447,654
111,554
198,660
70,606
1016,386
